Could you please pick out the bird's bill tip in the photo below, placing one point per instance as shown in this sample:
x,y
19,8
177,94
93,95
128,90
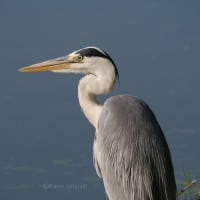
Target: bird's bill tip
x,y
50,65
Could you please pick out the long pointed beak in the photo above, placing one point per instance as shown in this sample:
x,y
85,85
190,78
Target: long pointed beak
x,y
49,65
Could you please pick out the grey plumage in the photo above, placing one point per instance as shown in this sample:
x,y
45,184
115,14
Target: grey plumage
x,y
131,153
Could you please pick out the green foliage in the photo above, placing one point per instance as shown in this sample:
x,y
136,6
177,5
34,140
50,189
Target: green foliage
x,y
23,168
94,180
191,188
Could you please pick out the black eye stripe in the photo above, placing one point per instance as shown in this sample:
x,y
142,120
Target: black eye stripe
x,y
90,52
93,52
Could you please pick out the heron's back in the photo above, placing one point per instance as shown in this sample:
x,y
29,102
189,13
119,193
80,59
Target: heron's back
x,y
131,153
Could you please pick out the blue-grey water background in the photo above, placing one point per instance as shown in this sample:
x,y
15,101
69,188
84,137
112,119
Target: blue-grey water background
x,y
45,141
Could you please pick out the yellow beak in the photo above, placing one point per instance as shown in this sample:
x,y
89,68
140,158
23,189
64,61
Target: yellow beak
x,y
50,65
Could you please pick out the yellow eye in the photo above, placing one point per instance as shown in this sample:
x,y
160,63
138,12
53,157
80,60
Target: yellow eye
x,y
79,58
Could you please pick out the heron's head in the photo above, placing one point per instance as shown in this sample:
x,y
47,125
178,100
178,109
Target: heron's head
x,y
89,60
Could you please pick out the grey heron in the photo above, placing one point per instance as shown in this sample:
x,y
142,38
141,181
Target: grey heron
x,y
131,154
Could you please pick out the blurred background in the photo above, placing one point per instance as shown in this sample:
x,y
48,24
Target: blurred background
x,y
45,141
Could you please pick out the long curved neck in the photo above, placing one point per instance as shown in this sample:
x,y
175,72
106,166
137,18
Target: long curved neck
x,y
89,105
90,86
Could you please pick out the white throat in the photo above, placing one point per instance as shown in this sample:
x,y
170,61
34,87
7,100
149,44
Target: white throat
x,y
92,85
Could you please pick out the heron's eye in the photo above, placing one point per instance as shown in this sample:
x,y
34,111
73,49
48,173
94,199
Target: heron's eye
x,y
79,58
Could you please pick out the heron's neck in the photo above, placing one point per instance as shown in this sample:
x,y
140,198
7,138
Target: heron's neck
x,y
89,87
90,107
